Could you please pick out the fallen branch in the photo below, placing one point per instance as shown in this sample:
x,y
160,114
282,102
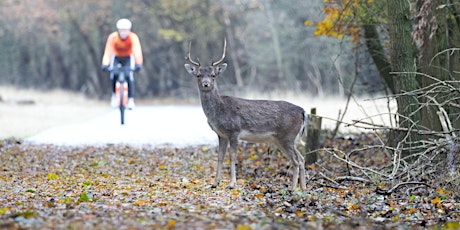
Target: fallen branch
x,y
352,178
336,185
355,164
380,191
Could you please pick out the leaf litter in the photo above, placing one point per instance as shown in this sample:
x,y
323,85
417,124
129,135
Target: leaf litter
x,y
127,187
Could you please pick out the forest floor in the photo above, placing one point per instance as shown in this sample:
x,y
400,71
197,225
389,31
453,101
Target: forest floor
x,y
116,186
125,187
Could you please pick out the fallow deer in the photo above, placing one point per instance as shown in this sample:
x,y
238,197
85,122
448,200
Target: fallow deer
x,y
233,119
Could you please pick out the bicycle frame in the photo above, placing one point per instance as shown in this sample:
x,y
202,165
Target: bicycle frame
x,y
121,88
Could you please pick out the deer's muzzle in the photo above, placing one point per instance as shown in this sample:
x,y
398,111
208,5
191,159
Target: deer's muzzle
x,y
206,83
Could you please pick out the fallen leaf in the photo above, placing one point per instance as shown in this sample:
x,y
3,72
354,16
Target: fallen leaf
x,y
52,176
436,201
243,227
3,211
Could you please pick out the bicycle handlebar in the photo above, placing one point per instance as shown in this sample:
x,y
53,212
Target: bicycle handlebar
x,y
117,69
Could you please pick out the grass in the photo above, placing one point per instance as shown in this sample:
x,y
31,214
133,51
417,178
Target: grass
x,y
27,112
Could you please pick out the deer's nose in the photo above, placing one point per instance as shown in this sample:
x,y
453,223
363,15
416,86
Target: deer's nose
x,y
206,84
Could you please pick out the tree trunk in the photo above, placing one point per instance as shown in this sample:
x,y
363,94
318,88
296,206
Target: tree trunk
x,y
402,59
453,27
231,37
276,43
433,40
377,53
94,81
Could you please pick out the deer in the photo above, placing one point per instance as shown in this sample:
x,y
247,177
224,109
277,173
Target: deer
x,y
254,121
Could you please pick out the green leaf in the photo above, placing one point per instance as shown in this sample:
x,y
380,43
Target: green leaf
x,y
98,163
86,184
86,197
27,214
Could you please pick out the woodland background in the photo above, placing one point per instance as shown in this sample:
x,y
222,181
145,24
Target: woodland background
x,y
58,44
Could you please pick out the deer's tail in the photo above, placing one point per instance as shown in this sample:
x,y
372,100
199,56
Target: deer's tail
x,y
306,118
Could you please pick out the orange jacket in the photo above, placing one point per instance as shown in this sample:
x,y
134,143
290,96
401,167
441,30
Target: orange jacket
x,y
122,48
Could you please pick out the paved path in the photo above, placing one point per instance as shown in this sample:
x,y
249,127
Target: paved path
x,y
153,125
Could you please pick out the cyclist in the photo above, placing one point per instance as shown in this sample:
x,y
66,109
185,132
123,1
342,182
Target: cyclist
x,y
123,46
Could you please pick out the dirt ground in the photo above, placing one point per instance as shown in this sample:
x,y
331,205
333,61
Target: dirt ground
x,y
26,112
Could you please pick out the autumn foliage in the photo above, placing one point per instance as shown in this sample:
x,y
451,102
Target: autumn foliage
x,y
343,18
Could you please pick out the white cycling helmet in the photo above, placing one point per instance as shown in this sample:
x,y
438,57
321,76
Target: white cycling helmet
x,y
124,24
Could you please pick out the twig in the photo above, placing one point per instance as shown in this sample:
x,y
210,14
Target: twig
x,y
451,50
354,164
337,185
380,191
418,131
352,178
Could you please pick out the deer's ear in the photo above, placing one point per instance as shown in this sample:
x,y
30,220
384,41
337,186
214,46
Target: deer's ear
x,y
191,69
220,68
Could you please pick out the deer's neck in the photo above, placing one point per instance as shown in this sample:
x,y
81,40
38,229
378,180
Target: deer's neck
x,y
211,102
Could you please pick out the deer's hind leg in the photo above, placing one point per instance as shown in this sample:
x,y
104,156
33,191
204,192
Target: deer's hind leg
x,y
301,160
289,150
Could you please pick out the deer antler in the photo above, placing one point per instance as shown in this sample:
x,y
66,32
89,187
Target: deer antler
x,y
190,59
223,54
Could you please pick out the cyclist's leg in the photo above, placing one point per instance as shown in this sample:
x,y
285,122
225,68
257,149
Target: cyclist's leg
x,y
114,82
116,60
113,99
131,86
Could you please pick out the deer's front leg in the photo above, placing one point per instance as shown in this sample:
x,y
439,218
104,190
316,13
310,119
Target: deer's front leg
x,y
223,143
233,155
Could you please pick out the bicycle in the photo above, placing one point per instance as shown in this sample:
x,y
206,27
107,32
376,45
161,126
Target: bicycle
x,y
121,88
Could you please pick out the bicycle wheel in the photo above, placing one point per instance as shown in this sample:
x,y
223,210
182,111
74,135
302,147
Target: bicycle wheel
x,y
122,105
